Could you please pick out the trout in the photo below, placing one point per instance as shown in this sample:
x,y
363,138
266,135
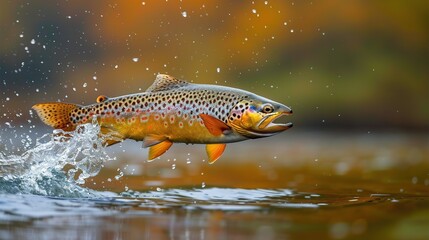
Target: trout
x,y
173,110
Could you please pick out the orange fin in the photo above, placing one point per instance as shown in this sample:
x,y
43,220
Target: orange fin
x,y
151,140
158,149
214,151
110,136
101,98
214,125
56,114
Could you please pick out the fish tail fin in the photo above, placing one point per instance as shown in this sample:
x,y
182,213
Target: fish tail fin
x,y
56,115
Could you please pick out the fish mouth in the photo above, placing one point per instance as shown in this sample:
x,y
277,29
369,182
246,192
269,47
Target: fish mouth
x,y
267,124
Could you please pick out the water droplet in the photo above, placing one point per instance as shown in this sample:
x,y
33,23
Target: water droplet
x,y
33,41
184,14
121,174
84,85
218,69
135,59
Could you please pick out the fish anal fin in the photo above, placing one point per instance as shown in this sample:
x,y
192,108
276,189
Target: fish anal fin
x,y
151,140
110,142
214,151
165,82
110,135
56,115
159,149
214,125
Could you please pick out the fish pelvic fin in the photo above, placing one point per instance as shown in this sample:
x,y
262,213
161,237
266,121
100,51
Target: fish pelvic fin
x,y
214,125
214,151
56,115
159,149
152,140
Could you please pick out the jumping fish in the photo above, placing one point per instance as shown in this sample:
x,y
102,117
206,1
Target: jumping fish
x,y
173,110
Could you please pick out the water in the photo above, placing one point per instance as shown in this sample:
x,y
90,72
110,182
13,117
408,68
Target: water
x,y
56,164
302,186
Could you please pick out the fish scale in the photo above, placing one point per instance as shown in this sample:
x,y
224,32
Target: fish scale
x,y
173,102
173,110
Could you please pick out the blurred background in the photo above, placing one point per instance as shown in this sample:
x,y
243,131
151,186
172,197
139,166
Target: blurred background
x,y
355,65
356,74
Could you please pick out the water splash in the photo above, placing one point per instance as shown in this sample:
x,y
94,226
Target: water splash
x,y
56,165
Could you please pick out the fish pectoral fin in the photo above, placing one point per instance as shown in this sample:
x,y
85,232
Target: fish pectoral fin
x,y
214,151
152,140
159,149
214,125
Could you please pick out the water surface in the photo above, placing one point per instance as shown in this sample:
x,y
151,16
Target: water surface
x,y
297,185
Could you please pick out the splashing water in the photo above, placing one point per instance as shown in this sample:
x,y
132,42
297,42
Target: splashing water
x,y
57,164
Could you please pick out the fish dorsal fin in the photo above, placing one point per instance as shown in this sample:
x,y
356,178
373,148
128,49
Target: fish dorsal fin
x,y
158,149
214,151
214,125
165,82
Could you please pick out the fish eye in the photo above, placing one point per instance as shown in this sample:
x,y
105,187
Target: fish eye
x,y
267,108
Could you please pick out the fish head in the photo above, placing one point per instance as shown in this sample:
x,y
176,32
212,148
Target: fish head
x,y
254,117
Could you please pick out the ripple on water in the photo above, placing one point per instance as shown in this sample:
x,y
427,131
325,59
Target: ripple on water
x,y
25,207
41,171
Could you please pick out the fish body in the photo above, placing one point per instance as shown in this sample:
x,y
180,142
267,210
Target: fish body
x,y
173,110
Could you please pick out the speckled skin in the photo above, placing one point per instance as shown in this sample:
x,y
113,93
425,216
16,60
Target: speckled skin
x,y
171,112
176,111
